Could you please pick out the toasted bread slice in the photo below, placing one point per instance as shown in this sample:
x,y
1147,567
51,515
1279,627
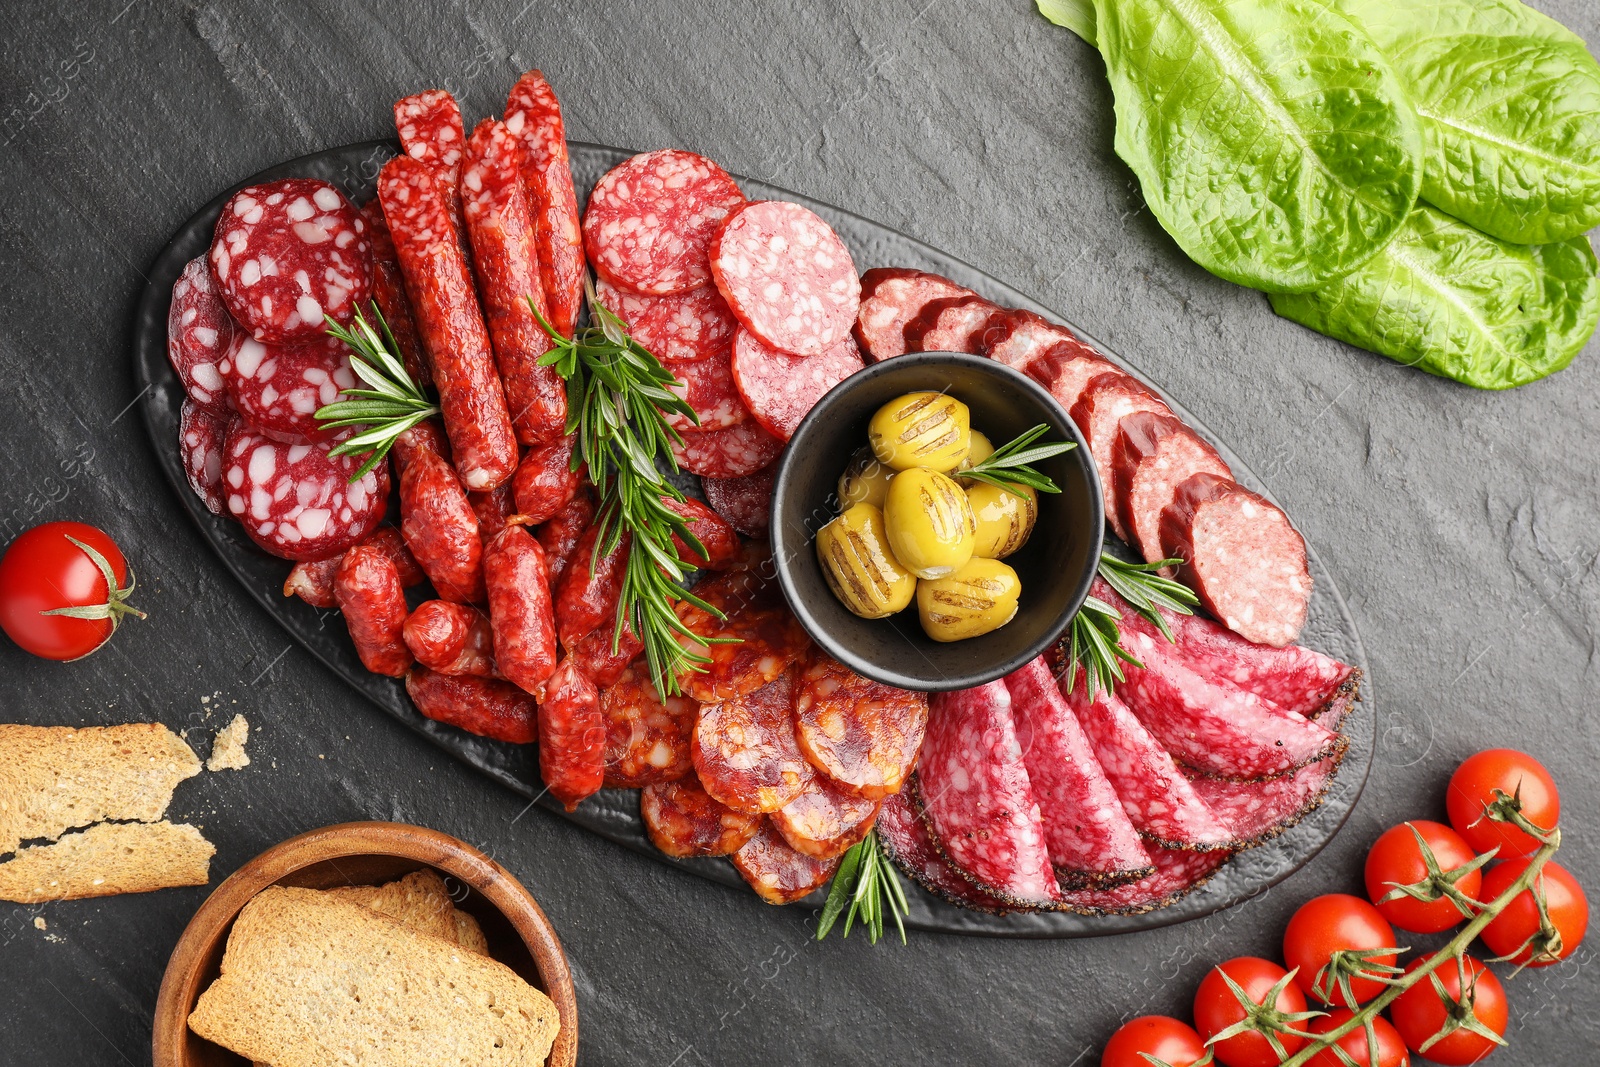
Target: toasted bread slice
x,y
420,900
107,859
469,935
309,979
55,778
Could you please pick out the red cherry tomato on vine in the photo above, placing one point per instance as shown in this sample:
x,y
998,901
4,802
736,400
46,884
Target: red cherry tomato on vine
x,y
1514,774
44,571
1216,1009
1391,1050
1331,923
1565,903
1418,1013
1160,1036
1395,858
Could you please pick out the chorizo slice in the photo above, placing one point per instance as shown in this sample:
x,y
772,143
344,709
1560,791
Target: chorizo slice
x,y
683,820
767,638
825,821
862,734
779,873
648,740
745,752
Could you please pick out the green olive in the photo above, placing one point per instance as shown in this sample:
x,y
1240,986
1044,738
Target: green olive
x,y
931,430
929,522
865,481
975,600
859,567
1005,518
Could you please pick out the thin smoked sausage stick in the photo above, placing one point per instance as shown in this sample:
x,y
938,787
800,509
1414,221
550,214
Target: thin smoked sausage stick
x,y
533,116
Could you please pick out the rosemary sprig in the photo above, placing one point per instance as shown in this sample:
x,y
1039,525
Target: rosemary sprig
x,y
1145,589
390,405
865,885
1008,465
1093,642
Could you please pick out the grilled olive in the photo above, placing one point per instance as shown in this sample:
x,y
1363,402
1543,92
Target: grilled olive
x,y
865,481
979,450
930,430
978,598
929,523
1004,516
860,569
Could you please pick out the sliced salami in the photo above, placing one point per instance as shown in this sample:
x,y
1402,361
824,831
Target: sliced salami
x,y
707,385
1152,455
1090,838
1259,811
977,799
769,640
904,837
780,389
648,740
1177,872
680,328
202,438
1066,370
389,293
199,333
1243,558
862,734
278,388
745,752
651,218
1159,800
1018,337
1098,412
533,115
683,820
890,298
825,821
777,872
949,324
731,453
294,500
288,252
786,276
745,502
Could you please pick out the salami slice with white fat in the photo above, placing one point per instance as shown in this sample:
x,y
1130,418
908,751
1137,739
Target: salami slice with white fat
x,y
296,501
787,277
780,389
1090,838
1177,872
779,873
651,218
977,799
199,333
1152,455
730,453
1159,800
862,734
1066,370
767,639
683,820
288,252
202,437
949,324
1259,811
745,502
825,821
890,298
1243,558
1098,412
707,386
905,839
278,388
744,749
680,328
647,739
1017,337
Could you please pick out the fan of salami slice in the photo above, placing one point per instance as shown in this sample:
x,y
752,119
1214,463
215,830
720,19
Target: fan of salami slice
x,y
680,328
294,500
780,389
787,277
199,334
890,298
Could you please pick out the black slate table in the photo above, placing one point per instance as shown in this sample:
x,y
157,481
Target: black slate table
x,y
1460,525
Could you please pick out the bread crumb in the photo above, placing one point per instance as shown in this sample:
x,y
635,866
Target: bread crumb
x,y
39,923
227,751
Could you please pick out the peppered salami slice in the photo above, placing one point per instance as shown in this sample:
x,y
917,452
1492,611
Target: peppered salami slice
x,y
780,389
683,820
278,388
730,453
1099,411
1159,800
288,252
294,500
533,114
648,740
1177,872
744,749
824,821
745,502
1151,456
202,437
1090,838
890,298
949,324
786,276
651,218
977,800
1243,558
769,640
1066,370
1017,337
1259,811
862,734
707,386
199,333
680,328
904,837
779,873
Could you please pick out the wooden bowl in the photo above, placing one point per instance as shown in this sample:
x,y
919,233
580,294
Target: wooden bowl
x,y
363,853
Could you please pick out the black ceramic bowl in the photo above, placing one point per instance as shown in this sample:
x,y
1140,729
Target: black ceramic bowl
x,y
1055,566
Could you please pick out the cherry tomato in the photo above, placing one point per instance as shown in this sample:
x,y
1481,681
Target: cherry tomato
x,y
1564,901
1216,1009
1395,858
43,571
1505,769
1391,1050
1160,1036
1418,1013
1331,923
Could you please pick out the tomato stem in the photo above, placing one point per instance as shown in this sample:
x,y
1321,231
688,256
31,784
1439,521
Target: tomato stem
x,y
116,605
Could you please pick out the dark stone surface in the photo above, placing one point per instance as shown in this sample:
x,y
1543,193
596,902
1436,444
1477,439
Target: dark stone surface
x,y
1461,525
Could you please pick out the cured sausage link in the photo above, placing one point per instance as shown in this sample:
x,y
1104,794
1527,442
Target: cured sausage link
x,y
431,132
545,481
560,535
368,590
519,608
533,115
451,638
506,255
590,587
487,707
450,323
572,736
438,523
389,291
